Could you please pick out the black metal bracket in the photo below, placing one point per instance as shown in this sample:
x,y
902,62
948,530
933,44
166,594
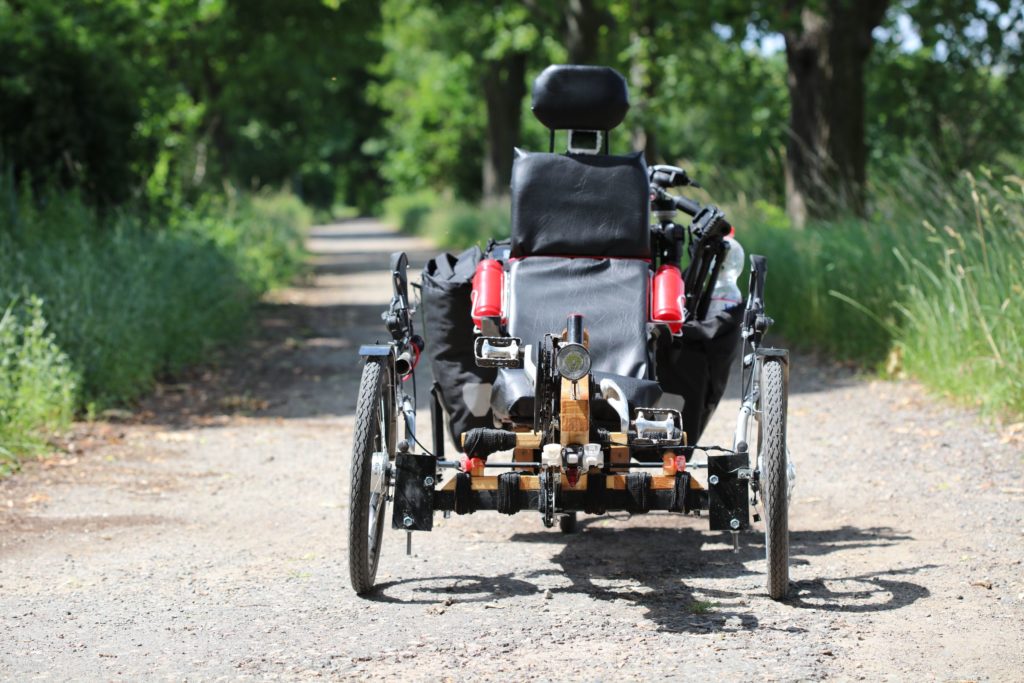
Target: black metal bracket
x,y
728,501
415,478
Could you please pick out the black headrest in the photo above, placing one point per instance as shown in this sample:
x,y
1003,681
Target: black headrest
x,y
569,96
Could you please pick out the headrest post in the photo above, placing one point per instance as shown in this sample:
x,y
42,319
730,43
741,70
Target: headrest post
x,y
551,146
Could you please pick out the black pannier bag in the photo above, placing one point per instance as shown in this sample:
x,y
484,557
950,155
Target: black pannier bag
x,y
448,329
696,366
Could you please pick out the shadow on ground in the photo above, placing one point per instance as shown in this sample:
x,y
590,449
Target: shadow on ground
x,y
654,567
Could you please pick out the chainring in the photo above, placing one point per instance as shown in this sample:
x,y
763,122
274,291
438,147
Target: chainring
x,y
544,386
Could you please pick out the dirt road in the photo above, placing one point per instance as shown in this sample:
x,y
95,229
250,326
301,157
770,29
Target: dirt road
x,y
205,538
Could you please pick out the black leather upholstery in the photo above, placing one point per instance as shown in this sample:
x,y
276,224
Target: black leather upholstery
x,y
580,97
611,294
580,205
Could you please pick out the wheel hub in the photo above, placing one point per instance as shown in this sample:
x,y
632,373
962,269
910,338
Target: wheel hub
x,y
379,472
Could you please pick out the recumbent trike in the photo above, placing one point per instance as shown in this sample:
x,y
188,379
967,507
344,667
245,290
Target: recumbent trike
x,y
582,349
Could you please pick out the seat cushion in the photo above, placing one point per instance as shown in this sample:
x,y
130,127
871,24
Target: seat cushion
x,y
580,205
611,294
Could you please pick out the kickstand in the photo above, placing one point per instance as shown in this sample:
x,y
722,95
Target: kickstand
x,y
408,543
735,541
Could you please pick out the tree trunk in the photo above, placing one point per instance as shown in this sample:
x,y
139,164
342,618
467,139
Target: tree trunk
x,y
583,22
504,89
642,83
826,152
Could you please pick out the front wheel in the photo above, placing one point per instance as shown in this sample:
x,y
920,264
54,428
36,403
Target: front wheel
x,y
373,449
774,479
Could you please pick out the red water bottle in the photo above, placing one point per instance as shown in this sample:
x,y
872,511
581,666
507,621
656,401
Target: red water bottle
x,y
668,299
488,283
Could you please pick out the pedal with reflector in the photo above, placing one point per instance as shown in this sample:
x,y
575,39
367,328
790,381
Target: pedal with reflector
x,y
498,352
658,427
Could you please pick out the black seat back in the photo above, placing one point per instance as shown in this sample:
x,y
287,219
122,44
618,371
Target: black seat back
x,y
580,227
580,205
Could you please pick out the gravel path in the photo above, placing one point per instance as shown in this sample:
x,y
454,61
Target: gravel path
x,y
204,538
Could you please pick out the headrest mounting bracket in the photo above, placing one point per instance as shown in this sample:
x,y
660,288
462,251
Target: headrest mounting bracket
x,y
585,141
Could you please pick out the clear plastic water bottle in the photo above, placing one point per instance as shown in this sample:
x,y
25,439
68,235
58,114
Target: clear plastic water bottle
x,y
726,293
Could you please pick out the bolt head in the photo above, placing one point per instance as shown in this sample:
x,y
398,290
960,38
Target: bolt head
x,y
408,521
429,481
713,479
734,523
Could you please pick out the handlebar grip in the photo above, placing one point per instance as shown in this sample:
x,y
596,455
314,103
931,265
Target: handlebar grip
x,y
687,205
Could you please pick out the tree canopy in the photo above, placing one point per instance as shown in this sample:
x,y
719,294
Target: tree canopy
x,y
347,101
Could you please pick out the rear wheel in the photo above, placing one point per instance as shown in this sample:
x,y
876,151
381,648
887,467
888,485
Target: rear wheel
x,y
774,482
373,449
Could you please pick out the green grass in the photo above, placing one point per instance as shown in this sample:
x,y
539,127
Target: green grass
x,y
39,383
930,285
701,607
456,225
963,327
96,308
805,267
448,223
408,211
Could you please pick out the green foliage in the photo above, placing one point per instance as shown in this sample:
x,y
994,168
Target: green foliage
x,y
851,257
701,607
408,211
723,109
171,98
125,303
965,114
68,99
430,84
458,224
928,285
261,233
963,323
39,384
449,223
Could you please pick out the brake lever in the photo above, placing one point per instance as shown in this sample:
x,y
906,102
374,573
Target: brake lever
x,y
664,175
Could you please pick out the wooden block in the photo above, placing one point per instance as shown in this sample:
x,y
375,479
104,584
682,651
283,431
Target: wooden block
x,y
663,482
619,456
487,483
574,418
529,440
524,455
531,482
